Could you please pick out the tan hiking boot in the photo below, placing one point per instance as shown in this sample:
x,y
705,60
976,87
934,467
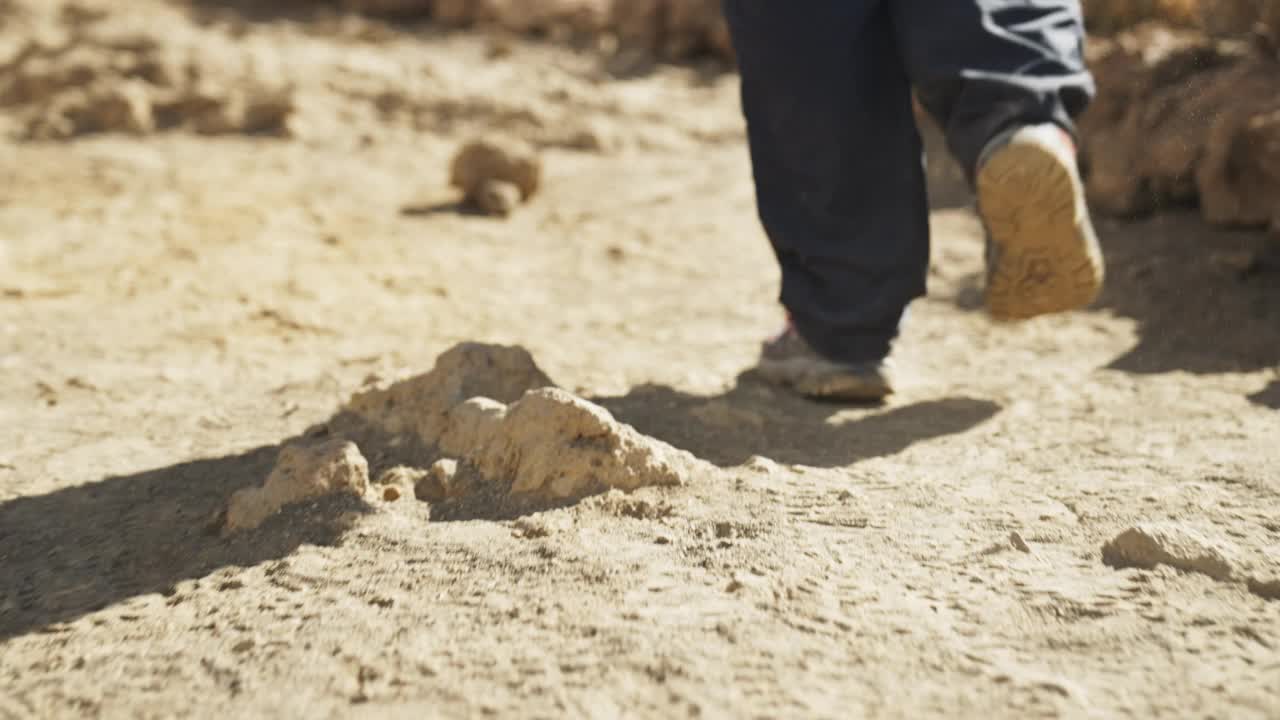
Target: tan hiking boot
x,y
1043,255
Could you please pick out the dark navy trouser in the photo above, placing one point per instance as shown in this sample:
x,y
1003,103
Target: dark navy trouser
x,y
826,88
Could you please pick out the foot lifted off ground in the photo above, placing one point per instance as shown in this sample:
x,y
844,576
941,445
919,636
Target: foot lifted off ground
x,y
1045,256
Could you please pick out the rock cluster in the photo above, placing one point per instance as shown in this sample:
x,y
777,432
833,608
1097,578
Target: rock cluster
x,y
138,83
495,176
673,28
1182,119
497,428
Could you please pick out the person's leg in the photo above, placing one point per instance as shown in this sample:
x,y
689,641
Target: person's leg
x,y
837,163
1005,78
981,67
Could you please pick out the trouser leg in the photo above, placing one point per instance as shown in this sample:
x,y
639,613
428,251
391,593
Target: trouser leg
x,y
837,162
981,67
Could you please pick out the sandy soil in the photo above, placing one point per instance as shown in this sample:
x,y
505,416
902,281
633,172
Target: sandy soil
x,y
174,306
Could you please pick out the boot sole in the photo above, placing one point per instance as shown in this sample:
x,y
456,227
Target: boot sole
x,y
1048,258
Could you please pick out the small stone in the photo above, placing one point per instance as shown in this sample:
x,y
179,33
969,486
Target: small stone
x,y
268,112
302,472
1015,539
482,161
398,482
763,465
1146,546
589,139
444,470
747,582
123,108
437,484
497,198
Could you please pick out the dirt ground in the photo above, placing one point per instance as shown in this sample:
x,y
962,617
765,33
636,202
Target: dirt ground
x,y
176,305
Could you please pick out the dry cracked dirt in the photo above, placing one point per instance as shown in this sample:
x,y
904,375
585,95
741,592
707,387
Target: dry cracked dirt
x,y
286,430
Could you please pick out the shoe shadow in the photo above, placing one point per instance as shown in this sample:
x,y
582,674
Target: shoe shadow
x,y
1206,300
757,419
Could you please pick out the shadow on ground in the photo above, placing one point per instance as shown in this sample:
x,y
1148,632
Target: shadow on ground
x,y
756,419
1205,300
80,549
1270,397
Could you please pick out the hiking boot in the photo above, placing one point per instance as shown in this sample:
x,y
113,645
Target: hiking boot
x,y
789,361
1042,255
